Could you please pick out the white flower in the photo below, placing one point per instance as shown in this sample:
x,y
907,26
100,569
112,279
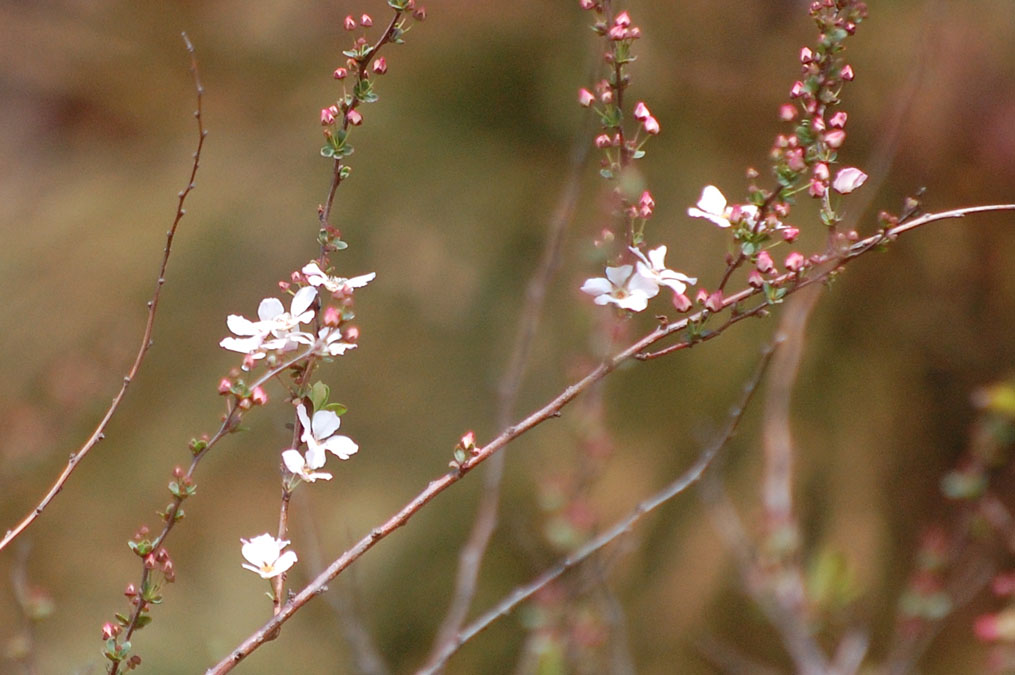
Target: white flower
x,y
304,468
319,436
654,267
274,321
328,341
316,277
264,552
622,287
848,179
712,206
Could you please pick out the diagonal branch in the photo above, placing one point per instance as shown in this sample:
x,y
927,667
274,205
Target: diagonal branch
x,y
792,283
146,339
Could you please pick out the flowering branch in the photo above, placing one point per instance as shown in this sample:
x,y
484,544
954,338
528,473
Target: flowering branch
x,y
477,455
146,338
620,528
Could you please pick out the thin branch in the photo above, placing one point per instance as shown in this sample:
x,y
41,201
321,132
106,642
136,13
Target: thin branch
x,y
596,544
471,556
548,411
146,339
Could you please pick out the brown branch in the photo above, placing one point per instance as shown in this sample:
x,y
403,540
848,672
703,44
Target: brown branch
x,y
548,411
146,339
596,544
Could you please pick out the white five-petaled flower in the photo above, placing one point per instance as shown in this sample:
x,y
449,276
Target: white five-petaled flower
x,y
316,277
654,268
265,556
303,467
622,287
712,206
275,327
319,435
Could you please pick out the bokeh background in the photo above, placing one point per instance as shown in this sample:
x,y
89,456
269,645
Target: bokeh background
x,y
456,172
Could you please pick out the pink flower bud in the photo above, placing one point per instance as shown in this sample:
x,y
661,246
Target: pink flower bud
x,y
835,138
109,630
806,55
623,19
816,188
634,32
789,234
701,296
847,73
764,262
755,279
259,396
607,96
419,14
352,334
380,66
366,21
797,89
332,316
602,141
795,159
681,302
651,125
714,301
838,120
821,171
585,97
616,33
787,112
468,440
646,204
794,262
327,119
641,111
354,118
848,179
225,386
818,124
340,73
587,4
350,23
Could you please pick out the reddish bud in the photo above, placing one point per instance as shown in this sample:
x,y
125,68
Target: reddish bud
x,y
327,118
821,171
789,234
419,14
838,120
332,316
340,73
380,65
787,112
225,386
352,334
847,73
715,301
110,630
259,396
806,55
816,188
623,20
350,23
794,262
651,125
283,286
818,124
587,4
681,302
585,97
366,21
835,138
354,118
641,111
764,262
701,297
755,279
646,204
797,90
602,141
130,591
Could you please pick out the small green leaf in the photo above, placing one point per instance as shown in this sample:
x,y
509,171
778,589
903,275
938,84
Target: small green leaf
x,y
337,408
319,393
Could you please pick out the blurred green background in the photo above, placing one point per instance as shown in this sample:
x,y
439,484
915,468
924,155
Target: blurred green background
x,y
456,171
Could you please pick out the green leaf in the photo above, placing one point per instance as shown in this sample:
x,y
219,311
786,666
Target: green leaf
x,y
400,5
143,621
319,393
337,408
638,154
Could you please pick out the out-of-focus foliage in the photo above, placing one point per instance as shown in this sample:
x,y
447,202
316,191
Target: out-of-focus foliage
x,y
456,170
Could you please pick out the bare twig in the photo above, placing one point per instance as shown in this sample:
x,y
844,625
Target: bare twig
x,y
146,339
552,409
596,544
471,556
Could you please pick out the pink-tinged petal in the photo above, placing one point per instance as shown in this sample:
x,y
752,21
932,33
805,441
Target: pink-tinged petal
x,y
597,286
269,309
302,300
325,423
342,447
619,275
241,325
294,461
848,179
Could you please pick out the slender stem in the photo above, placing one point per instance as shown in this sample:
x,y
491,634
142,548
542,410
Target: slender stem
x,y
146,338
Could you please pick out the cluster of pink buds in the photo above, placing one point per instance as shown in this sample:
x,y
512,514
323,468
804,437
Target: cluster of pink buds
x,y
622,28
